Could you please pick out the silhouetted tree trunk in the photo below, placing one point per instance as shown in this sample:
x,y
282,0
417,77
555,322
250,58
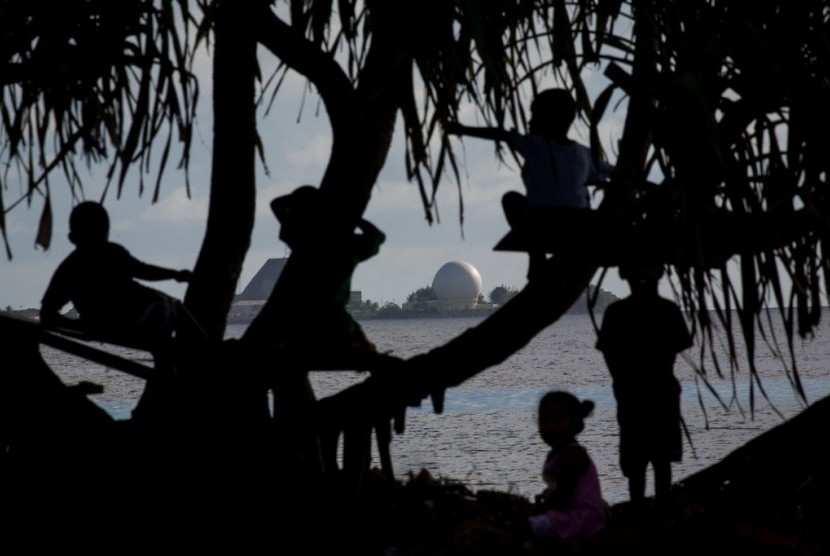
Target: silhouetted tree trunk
x,y
233,188
363,122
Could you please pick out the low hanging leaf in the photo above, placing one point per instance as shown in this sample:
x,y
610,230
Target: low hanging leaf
x,y
44,229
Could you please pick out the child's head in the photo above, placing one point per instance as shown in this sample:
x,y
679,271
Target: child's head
x,y
88,223
642,273
562,416
298,213
552,112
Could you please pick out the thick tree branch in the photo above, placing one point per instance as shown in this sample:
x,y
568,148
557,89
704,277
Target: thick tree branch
x,y
540,303
233,188
307,59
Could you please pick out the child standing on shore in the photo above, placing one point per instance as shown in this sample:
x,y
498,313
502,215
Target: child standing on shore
x,y
640,338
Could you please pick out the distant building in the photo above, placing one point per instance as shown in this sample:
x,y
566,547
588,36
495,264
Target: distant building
x,y
247,304
260,286
457,287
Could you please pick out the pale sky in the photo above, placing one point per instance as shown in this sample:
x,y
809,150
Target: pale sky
x,y
169,233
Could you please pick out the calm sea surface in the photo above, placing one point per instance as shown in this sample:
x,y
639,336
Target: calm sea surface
x,y
487,435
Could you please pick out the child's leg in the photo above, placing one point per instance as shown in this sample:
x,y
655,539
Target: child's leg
x,y
662,478
637,481
536,264
514,205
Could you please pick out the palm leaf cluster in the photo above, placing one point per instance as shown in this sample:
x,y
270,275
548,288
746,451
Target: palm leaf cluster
x,y
731,104
91,80
721,169
487,55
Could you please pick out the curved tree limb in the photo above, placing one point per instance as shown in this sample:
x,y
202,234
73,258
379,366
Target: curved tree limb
x,y
307,59
230,219
538,305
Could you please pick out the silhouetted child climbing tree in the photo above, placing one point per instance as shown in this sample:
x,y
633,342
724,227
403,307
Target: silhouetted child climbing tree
x,y
315,284
306,319
99,279
555,170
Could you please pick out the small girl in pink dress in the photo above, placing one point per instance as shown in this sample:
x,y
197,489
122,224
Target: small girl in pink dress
x,y
572,504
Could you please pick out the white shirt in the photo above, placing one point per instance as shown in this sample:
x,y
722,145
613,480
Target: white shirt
x,y
554,174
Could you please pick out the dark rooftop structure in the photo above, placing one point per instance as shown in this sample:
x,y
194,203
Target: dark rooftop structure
x,y
260,286
247,304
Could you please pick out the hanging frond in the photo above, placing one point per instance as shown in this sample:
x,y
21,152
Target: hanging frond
x,y
92,80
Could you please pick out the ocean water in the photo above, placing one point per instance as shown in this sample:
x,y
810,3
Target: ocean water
x,y
486,435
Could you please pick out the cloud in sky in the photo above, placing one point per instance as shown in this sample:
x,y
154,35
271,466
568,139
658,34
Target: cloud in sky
x,y
177,209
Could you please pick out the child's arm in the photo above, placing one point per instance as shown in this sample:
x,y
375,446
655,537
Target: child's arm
x,y
368,243
144,271
617,362
600,173
50,317
491,133
54,299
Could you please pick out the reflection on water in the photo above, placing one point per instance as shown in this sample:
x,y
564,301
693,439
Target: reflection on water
x,y
487,433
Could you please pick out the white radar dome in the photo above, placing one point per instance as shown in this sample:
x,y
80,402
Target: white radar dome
x,y
457,280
